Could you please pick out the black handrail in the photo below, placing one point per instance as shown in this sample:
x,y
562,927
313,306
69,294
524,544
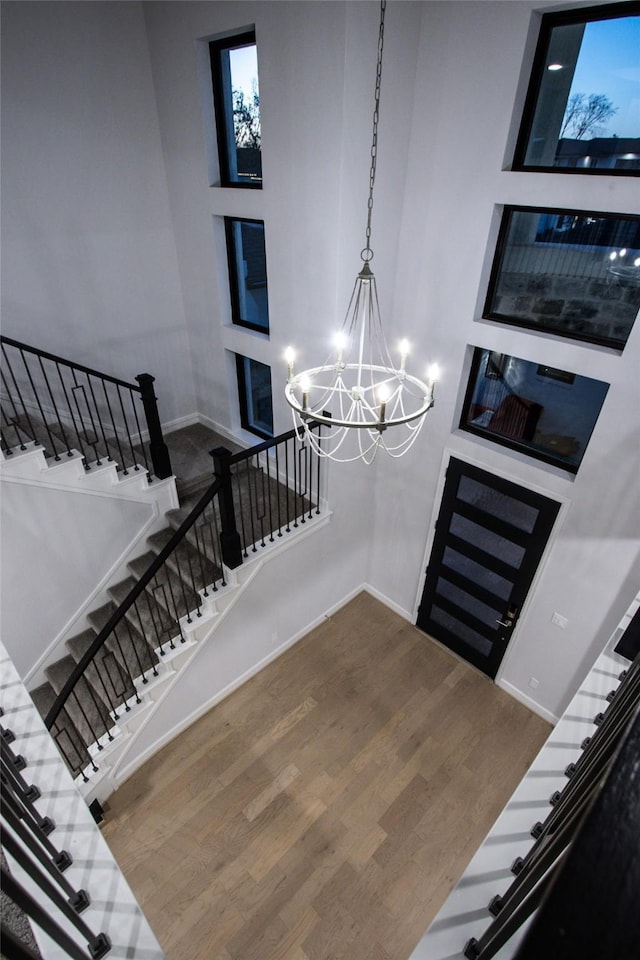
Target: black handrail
x,y
40,384
221,488
118,615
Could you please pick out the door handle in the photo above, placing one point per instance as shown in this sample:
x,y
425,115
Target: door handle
x,y
509,617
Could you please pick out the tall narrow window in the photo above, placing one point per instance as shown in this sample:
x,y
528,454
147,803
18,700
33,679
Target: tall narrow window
x,y
254,392
581,112
247,273
236,94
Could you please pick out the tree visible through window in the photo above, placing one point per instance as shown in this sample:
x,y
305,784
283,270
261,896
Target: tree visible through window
x,y
582,110
236,93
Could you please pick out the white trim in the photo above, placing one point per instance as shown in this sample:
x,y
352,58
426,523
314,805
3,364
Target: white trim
x,y
527,701
405,614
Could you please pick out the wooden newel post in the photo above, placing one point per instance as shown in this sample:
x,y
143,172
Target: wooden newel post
x,y
230,543
157,447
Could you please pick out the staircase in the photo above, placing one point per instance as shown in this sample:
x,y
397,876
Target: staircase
x,y
175,612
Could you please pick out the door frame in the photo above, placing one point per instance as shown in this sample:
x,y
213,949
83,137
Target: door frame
x,y
565,503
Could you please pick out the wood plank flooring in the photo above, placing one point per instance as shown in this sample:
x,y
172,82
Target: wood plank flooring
x,y
325,809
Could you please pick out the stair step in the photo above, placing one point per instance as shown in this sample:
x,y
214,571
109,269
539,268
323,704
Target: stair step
x,y
187,560
70,744
86,709
32,428
147,615
126,643
105,674
172,592
202,537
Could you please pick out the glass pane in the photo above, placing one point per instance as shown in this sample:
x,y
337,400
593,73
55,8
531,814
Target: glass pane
x,y
498,504
550,413
477,574
469,604
586,106
249,274
258,397
461,631
486,540
570,273
245,93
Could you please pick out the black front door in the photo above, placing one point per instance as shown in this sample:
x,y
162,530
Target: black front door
x,y
490,536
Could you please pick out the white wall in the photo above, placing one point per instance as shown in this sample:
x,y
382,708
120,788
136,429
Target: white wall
x,y
88,256
469,64
452,90
57,545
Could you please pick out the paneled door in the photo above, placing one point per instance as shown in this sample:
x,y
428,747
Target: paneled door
x,y
490,536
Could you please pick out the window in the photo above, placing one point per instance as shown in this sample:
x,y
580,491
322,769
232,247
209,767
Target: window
x,y
567,272
581,111
254,391
545,412
247,273
234,73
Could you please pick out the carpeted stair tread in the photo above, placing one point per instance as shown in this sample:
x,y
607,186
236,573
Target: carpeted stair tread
x,y
148,616
69,742
186,560
130,647
32,428
105,673
86,709
174,593
97,447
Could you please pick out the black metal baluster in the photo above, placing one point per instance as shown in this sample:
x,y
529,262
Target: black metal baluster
x,y
39,405
65,441
124,665
53,861
98,945
125,423
116,436
99,418
139,432
286,453
278,489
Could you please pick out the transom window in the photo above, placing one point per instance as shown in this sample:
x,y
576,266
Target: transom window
x,y
247,273
543,411
236,95
254,392
582,111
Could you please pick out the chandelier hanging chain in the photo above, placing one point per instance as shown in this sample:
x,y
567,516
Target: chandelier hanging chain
x,y
367,252
366,399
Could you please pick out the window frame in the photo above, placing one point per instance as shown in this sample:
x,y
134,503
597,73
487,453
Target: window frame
x,y
520,446
243,391
224,123
232,263
501,248
548,22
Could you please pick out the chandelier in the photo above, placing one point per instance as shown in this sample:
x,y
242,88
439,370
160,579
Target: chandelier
x,y
359,392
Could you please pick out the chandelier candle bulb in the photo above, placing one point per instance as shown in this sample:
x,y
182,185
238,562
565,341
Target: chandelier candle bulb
x,y
432,375
404,353
290,356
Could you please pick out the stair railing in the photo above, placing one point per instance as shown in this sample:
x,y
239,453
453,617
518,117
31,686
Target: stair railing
x,y
64,406
26,838
273,487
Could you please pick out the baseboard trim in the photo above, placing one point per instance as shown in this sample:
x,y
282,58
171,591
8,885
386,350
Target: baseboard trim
x,y
127,771
527,701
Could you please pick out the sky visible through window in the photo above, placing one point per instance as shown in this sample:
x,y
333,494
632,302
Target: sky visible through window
x,y
244,69
609,63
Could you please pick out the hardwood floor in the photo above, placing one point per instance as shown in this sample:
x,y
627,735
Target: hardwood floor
x,y
326,808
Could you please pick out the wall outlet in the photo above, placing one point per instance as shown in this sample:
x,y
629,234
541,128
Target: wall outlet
x,y
534,682
559,620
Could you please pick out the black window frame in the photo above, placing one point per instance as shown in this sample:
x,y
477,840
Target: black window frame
x,y
548,22
521,446
242,397
489,313
224,122
232,263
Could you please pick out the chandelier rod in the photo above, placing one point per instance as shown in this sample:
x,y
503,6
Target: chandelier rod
x,y
367,253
